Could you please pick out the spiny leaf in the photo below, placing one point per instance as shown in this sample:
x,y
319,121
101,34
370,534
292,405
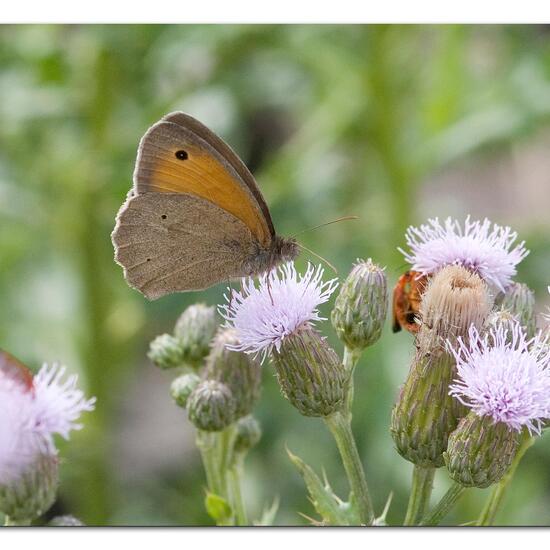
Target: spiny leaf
x,y
326,503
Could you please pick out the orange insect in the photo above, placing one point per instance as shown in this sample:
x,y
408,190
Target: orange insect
x,y
407,295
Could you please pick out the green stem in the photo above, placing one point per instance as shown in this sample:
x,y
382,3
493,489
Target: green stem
x,y
493,503
350,360
340,426
444,505
421,490
209,449
9,522
234,477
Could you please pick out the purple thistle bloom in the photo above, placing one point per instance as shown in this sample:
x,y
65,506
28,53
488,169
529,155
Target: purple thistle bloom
x,y
505,376
264,315
481,247
30,417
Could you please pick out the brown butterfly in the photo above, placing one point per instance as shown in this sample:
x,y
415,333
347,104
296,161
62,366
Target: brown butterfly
x,y
407,295
195,216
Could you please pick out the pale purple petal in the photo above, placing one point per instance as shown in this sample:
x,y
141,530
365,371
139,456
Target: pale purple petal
x,y
482,247
57,403
30,417
505,376
265,314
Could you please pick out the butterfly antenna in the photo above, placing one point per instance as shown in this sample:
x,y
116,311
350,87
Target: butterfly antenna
x,y
344,218
320,257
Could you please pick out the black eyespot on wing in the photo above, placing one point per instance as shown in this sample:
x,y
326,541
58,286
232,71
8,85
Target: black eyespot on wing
x,y
182,155
163,216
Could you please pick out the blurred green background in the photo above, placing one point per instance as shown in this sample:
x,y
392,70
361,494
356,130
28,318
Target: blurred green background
x,y
391,123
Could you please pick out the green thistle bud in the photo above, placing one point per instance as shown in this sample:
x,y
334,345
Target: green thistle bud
x,y
425,414
182,387
31,494
519,301
238,370
195,329
211,406
166,352
480,451
361,306
310,373
65,521
248,434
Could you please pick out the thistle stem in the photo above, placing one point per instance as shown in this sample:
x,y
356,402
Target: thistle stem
x,y
209,449
339,425
9,522
443,507
350,360
234,478
421,490
494,501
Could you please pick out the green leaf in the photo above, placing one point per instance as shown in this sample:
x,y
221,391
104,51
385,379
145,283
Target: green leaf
x,y
333,510
218,508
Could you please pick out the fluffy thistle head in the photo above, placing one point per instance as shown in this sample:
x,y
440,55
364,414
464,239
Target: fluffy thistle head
x,y
32,411
505,376
264,315
454,300
481,247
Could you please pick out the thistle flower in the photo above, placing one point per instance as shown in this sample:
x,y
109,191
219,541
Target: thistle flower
x,y
211,406
166,352
504,376
517,302
182,387
265,315
194,330
481,247
239,371
360,309
277,318
32,411
425,414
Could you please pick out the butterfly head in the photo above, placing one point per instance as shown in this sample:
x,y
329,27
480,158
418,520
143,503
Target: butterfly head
x,y
284,250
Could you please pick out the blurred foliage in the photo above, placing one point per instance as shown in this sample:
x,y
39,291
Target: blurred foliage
x,y
333,120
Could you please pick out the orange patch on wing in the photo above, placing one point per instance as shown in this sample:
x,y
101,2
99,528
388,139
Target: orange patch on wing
x,y
203,176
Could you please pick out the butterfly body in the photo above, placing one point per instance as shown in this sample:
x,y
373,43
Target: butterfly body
x,y
195,216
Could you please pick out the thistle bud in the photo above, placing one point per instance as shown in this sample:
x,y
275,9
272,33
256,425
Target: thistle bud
x,y
519,301
182,387
360,308
33,492
211,406
195,329
425,414
310,373
248,434
240,371
166,352
480,451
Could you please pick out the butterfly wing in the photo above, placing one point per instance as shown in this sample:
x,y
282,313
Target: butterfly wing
x,y
173,242
178,154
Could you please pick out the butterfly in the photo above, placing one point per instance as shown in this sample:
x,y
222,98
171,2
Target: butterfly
x,y
195,216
